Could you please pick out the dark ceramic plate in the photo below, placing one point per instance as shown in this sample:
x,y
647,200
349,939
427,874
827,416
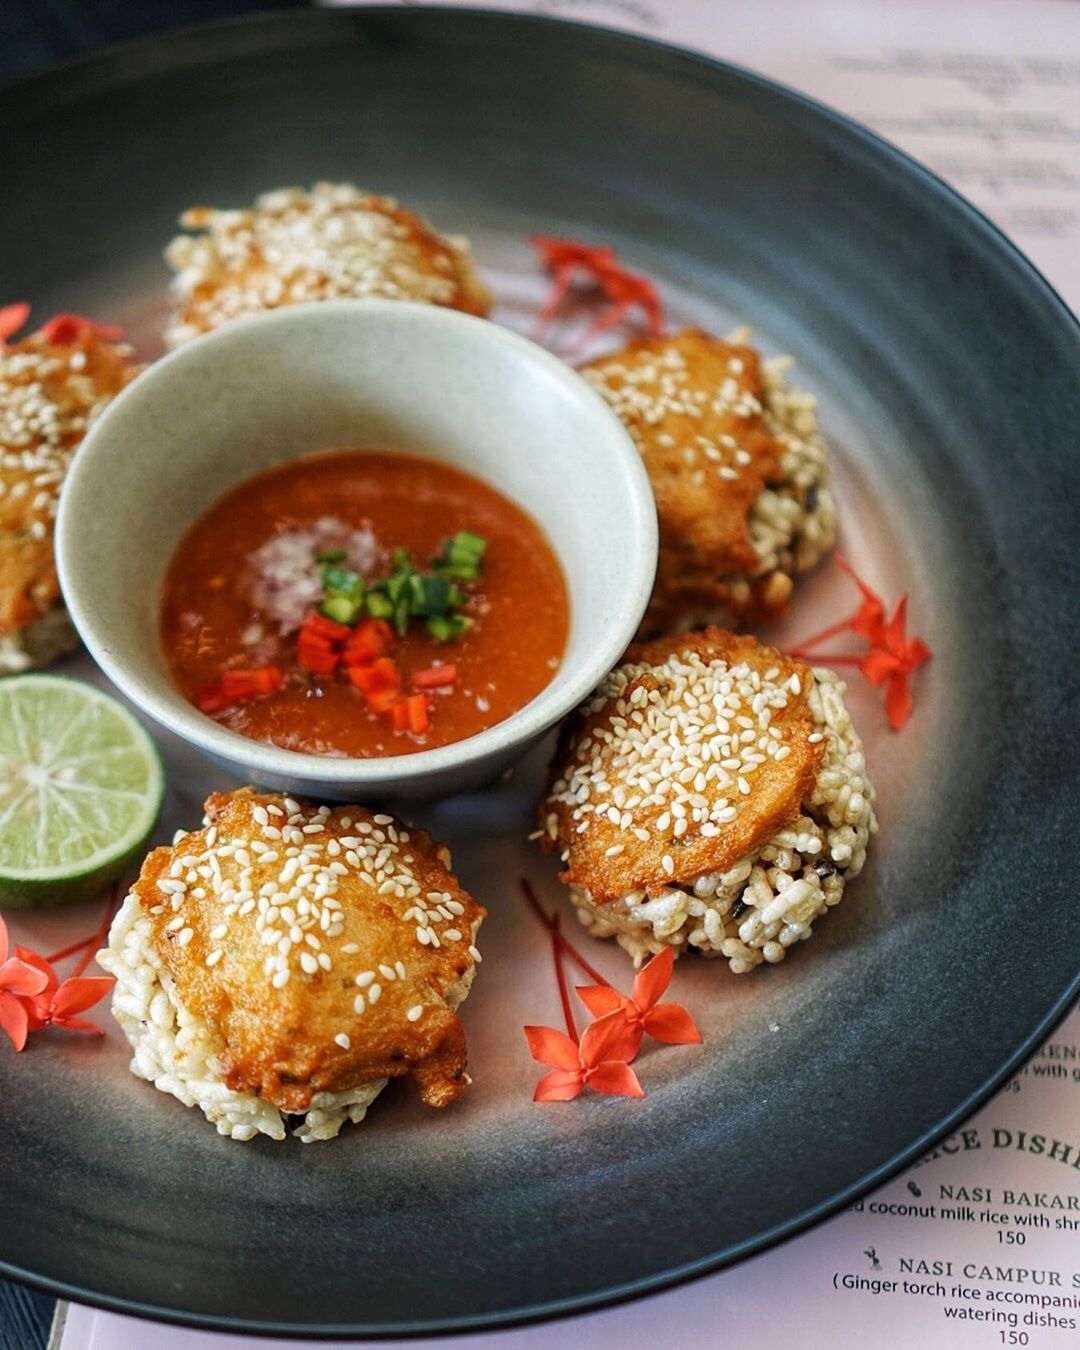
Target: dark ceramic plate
x,y
949,375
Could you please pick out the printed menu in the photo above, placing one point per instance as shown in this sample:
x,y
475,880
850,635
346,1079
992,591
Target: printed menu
x,y
984,92
978,1244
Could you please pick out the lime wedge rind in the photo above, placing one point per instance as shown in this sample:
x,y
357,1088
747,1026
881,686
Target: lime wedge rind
x,y
65,832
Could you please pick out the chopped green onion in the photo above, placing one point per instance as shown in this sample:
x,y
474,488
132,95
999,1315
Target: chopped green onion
x,y
340,581
444,629
332,555
431,596
461,556
397,586
462,571
469,545
341,608
402,614
379,606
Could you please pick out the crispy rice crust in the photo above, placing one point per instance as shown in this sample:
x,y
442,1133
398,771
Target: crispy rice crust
x,y
291,246
693,405
289,1041
49,395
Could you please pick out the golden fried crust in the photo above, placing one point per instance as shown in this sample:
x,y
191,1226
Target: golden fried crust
x,y
293,246
693,405
662,742
279,1040
49,394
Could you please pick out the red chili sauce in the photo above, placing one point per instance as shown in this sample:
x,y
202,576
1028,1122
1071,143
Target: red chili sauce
x,y
232,653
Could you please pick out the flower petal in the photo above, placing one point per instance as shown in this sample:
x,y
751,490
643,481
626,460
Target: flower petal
x,y
64,329
672,1024
616,1079
560,1085
869,621
3,940
21,978
653,979
918,653
78,1024
879,665
896,633
76,995
32,958
601,999
13,1019
898,700
611,1037
12,318
554,1048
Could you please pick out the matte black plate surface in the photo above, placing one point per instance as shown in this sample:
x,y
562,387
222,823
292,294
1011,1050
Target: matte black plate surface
x,y
949,377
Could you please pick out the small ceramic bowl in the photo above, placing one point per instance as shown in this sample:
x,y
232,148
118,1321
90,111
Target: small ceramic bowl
x,y
367,373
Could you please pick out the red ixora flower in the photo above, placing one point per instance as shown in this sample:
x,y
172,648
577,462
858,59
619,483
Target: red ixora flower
x,y
644,1013
868,620
12,318
894,660
892,657
65,329
20,981
598,1060
32,996
567,259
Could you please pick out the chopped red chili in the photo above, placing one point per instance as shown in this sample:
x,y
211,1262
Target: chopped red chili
x,y
435,677
382,700
411,714
378,676
367,642
235,686
319,646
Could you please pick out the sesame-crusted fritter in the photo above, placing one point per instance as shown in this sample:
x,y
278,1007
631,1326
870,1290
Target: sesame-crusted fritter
x,y
326,948
49,395
334,242
712,796
737,486
690,755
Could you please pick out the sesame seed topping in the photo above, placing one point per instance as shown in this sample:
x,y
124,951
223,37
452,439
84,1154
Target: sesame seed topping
x,y
664,758
415,1012
288,900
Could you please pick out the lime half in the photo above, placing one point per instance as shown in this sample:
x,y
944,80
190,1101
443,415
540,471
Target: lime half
x,y
80,789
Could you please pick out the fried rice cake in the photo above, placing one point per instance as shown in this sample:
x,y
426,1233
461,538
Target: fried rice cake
x,y
50,393
317,952
334,242
738,469
711,795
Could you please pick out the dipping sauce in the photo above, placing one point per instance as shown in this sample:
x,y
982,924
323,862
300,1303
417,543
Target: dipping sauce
x,y
363,603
